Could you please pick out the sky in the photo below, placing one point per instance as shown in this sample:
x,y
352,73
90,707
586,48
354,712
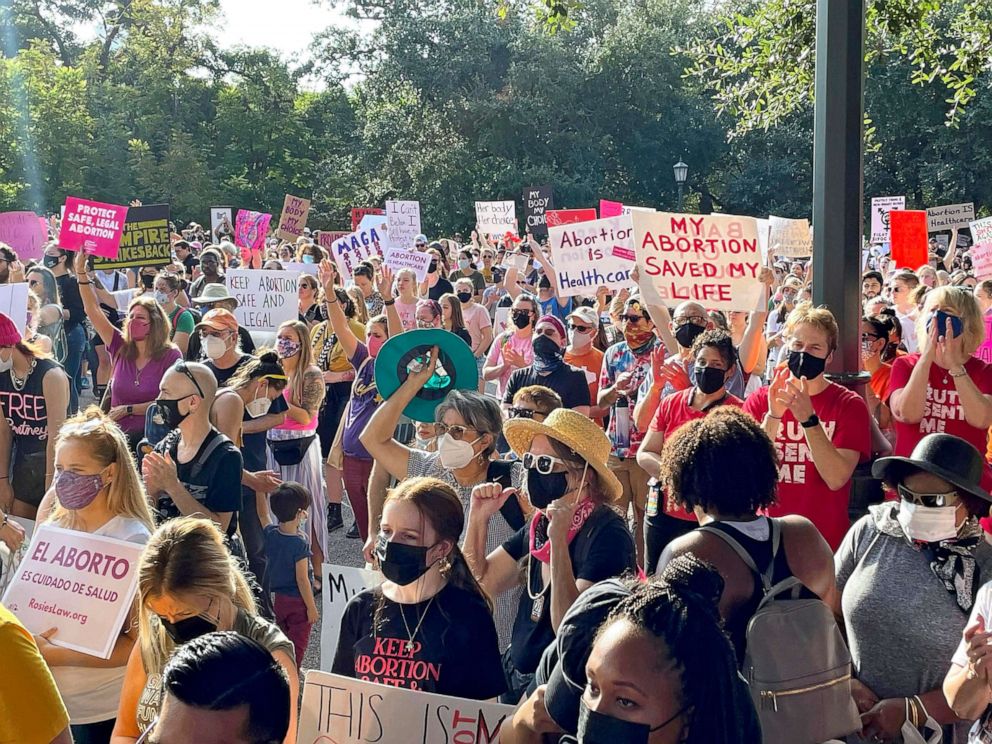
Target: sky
x,y
286,26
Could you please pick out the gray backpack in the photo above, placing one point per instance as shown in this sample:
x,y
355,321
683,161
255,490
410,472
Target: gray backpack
x,y
797,664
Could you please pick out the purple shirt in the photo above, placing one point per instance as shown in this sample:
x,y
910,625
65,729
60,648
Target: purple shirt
x,y
132,386
364,400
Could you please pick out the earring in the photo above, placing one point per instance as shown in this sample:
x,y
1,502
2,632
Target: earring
x,y
444,566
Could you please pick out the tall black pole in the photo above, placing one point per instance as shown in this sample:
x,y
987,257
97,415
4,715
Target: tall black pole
x,y
838,174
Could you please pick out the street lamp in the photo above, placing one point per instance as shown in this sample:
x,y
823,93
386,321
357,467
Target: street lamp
x,y
681,174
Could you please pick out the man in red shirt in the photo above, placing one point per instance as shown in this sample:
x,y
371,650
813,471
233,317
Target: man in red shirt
x,y
821,430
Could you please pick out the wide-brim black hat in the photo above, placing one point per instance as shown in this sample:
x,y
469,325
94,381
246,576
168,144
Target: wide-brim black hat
x,y
944,455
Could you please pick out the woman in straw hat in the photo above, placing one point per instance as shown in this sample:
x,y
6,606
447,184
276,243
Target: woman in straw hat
x,y
573,540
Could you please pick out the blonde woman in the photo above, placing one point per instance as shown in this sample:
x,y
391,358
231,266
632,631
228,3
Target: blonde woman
x,y
97,491
189,585
361,311
294,446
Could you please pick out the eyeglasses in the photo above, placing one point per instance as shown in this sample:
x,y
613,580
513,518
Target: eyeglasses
x,y
686,319
420,245
543,464
515,412
931,500
182,369
457,431
579,328
632,318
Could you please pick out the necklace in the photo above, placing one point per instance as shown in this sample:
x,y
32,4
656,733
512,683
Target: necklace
x,y
137,372
538,599
19,383
412,636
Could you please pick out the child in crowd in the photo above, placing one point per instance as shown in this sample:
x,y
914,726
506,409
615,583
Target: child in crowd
x,y
290,576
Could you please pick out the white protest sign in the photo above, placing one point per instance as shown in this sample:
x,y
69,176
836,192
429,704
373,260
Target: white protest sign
x,y
303,268
400,258
764,228
14,304
340,583
950,216
217,217
501,320
981,260
266,299
788,237
516,261
342,710
712,259
593,254
496,217
402,223
981,230
361,245
880,208
81,584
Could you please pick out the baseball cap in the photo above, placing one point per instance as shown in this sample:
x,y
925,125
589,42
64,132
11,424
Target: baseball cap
x,y
218,319
586,314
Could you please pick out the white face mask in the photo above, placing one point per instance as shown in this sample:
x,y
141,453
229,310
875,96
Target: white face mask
x,y
928,523
6,364
455,453
259,406
214,347
579,340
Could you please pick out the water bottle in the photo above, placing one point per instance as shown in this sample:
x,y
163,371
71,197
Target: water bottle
x,y
621,415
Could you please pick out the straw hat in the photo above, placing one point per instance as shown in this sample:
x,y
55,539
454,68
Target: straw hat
x,y
577,432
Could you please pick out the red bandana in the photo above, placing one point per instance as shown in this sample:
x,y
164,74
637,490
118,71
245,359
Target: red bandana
x,y
540,545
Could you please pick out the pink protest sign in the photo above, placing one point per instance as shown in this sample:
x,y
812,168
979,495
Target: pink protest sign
x,y
24,232
251,229
981,260
92,226
984,352
609,208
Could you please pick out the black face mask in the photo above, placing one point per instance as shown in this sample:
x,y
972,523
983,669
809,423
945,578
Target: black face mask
x,y
464,297
401,564
169,410
546,349
521,318
710,379
543,489
544,284
432,268
687,334
599,728
805,365
188,629
147,280
50,262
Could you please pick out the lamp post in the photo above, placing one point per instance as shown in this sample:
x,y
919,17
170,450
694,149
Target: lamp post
x,y
681,174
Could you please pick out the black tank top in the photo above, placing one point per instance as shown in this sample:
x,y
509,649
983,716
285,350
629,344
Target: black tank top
x,y
25,410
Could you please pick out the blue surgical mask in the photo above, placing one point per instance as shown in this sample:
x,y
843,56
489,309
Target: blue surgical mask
x,y
307,258
464,263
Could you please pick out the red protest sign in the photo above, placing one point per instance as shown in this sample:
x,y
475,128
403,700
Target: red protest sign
x,y
92,226
358,212
559,217
908,230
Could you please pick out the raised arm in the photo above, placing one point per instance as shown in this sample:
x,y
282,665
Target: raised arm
x,y
384,284
335,315
90,303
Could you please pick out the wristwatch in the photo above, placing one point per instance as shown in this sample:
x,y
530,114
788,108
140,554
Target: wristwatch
x,y
812,421
129,410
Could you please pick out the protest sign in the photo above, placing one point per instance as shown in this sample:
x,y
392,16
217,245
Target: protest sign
x,y
558,217
398,258
609,208
950,216
537,200
909,238
501,319
496,217
293,219
357,213
880,208
14,304
712,259
23,232
788,237
220,216
358,246
342,710
305,268
340,584
251,229
92,226
764,233
981,260
402,223
589,255
516,261
266,299
145,242
981,230
326,238
78,583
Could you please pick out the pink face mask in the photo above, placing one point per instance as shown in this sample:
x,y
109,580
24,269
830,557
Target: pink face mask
x,y
138,329
375,343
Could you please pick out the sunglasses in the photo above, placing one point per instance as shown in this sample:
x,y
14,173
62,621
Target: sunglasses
x,y
526,413
632,318
931,500
182,369
420,245
579,328
543,464
457,431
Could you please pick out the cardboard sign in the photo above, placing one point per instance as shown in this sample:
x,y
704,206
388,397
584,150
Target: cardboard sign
x,y
92,226
981,261
357,213
326,238
397,258
537,200
218,216
712,259
880,208
909,238
293,219
402,223
609,208
358,246
950,216
340,583
146,240
589,255
266,299
81,584
496,217
981,230
14,304
342,710
788,237
558,217
251,229
23,232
